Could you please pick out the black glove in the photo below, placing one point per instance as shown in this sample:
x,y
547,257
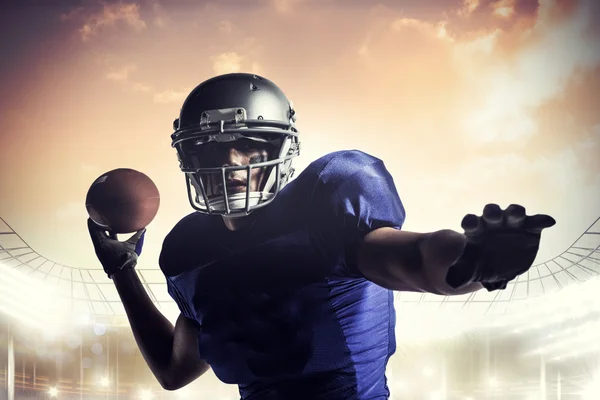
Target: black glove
x,y
501,245
113,254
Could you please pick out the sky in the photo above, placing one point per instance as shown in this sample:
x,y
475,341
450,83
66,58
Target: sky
x,y
467,102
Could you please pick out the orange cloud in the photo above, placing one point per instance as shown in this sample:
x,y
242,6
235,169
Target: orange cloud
x,y
171,96
475,17
109,17
225,26
505,92
468,7
122,73
436,30
284,6
483,44
503,8
257,68
487,83
141,87
227,62
160,16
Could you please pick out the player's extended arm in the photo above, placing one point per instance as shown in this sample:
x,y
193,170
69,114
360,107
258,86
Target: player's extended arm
x,y
410,261
170,352
495,249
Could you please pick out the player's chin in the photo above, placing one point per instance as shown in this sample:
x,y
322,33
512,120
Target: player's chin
x,y
231,190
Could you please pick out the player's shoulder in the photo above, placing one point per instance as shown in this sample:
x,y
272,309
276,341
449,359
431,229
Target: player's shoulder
x,y
183,239
337,159
341,164
186,225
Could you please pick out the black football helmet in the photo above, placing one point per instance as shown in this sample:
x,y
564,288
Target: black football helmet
x,y
228,108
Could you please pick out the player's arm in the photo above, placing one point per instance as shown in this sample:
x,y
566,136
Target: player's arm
x,y
170,351
495,249
411,261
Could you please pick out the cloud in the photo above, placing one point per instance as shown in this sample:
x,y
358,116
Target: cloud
x,y
468,7
504,92
141,87
171,96
484,45
363,49
88,168
284,6
122,73
225,63
232,61
437,30
475,17
225,26
503,8
160,17
257,69
107,18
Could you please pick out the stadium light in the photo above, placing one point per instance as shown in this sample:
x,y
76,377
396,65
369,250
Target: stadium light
x,y
183,393
576,301
427,371
32,301
146,395
592,390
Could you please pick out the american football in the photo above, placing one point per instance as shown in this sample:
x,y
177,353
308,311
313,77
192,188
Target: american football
x,y
122,200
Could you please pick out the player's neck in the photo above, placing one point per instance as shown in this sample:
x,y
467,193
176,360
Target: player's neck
x,y
237,223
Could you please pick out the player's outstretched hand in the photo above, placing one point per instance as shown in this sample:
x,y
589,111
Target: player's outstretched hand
x,y
501,245
113,254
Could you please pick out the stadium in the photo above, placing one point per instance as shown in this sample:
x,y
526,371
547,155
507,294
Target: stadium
x,y
66,334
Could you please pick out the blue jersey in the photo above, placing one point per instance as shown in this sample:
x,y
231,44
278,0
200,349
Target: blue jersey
x,y
284,311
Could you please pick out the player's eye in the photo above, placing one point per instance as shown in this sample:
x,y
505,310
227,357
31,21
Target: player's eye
x,y
258,158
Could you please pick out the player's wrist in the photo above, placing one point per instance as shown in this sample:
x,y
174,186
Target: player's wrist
x,y
126,272
464,270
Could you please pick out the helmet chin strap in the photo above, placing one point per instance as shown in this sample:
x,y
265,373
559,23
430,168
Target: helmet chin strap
x,y
237,202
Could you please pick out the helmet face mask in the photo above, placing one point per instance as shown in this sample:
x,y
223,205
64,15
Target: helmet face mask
x,y
251,117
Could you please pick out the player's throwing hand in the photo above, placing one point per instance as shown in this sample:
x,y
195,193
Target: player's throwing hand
x,y
501,245
113,254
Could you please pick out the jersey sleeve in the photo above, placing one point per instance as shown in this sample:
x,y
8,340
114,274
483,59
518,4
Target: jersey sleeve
x,y
179,300
354,195
176,295
171,257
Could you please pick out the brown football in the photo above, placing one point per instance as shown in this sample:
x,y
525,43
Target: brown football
x,y
122,200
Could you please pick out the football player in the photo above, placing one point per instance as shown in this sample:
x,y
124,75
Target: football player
x,y
286,287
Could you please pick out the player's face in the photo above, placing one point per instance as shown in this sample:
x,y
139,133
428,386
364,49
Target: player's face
x,y
240,152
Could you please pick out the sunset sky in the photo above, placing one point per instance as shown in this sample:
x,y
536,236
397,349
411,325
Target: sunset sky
x,y
467,102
